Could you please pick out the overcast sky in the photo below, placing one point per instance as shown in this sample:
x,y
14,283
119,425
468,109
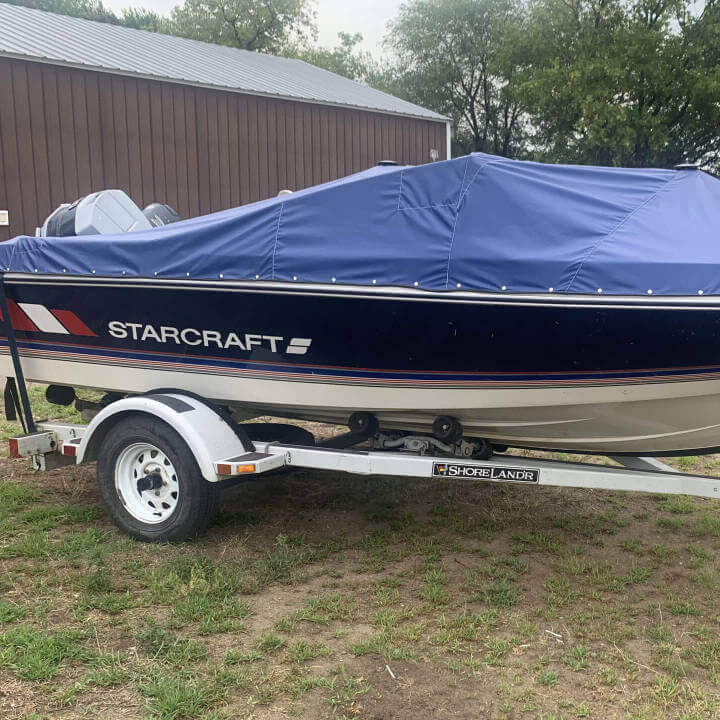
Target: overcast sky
x,y
368,17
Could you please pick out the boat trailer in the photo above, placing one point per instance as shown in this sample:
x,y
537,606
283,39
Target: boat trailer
x,y
225,457
163,456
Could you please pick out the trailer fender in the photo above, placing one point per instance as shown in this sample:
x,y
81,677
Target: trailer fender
x,y
208,435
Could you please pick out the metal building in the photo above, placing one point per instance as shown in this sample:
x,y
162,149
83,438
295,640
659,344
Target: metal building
x,y
86,106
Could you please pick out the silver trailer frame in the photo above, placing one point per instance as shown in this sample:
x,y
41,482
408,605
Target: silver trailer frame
x,y
55,444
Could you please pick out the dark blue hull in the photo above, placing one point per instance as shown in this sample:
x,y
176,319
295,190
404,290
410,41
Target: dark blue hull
x,y
510,350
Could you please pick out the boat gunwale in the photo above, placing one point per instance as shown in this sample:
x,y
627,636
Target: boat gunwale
x,y
382,292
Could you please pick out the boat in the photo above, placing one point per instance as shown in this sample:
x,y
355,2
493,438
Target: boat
x,y
557,307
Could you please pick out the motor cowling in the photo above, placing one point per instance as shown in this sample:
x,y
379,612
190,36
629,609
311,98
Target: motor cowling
x,y
159,214
107,212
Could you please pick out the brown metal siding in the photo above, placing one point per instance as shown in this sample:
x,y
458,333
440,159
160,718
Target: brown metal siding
x,y
67,132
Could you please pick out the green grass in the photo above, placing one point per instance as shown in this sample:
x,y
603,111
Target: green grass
x,y
544,542
173,697
345,691
319,609
269,642
35,655
15,496
433,590
548,678
11,612
235,657
170,647
533,602
576,658
303,650
679,504
465,627
683,608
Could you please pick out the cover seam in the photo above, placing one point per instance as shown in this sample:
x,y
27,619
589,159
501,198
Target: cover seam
x,y
457,214
591,251
277,235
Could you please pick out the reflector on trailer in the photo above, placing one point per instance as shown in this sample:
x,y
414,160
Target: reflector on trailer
x,y
35,443
249,463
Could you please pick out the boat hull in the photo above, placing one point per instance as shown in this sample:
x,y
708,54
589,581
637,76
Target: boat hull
x,y
603,375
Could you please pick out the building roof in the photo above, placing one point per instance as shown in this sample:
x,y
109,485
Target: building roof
x,y
58,39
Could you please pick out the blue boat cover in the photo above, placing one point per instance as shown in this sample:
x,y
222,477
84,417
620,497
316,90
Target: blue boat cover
x,y
477,223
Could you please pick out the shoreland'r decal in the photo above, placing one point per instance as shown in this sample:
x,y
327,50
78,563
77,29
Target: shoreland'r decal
x,y
486,472
207,338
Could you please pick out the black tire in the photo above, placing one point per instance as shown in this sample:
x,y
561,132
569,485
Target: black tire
x,y
197,498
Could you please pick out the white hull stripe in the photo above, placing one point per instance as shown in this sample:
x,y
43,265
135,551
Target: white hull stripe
x,y
43,318
228,371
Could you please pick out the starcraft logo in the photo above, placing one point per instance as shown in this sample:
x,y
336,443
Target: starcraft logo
x,y
194,337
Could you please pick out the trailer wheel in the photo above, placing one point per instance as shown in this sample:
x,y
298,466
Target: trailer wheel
x,y
151,483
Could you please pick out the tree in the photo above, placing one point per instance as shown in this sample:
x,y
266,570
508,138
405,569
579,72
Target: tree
x,y
143,19
86,9
463,58
344,59
264,25
624,82
273,26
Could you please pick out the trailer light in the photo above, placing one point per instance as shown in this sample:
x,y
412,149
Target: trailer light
x,y
226,469
69,449
14,448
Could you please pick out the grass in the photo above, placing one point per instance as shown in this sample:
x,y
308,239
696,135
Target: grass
x,y
576,658
167,646
11,611
303,650
174,697
32,654
329,596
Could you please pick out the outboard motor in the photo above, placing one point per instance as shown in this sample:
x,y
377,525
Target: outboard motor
x,y
160,214
105,213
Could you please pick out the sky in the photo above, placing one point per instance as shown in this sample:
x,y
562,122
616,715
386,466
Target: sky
x,y
368,17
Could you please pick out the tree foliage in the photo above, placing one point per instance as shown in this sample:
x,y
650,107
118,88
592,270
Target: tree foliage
x,y
264,25
346,58
625,83
616,82
463,58
273,26
86,9
143,19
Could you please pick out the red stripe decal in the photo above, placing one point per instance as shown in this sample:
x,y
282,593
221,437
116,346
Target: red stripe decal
x,y
18,319
72,322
